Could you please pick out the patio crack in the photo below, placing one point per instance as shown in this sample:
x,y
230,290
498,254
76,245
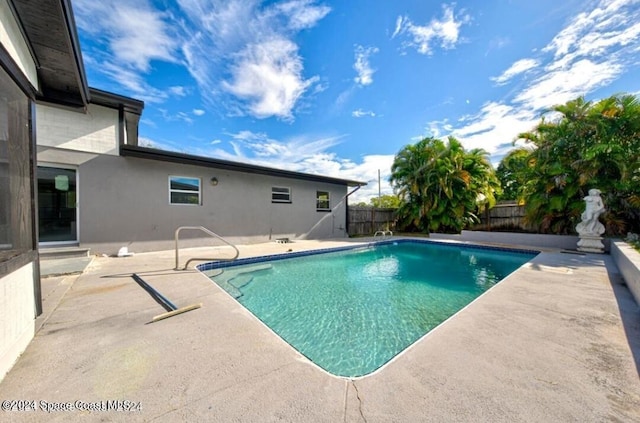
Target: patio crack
x,y
353,382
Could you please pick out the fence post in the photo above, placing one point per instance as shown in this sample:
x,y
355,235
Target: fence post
x,y
373,219
488,217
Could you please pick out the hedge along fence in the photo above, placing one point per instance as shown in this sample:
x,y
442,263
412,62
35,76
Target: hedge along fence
x,y
368,220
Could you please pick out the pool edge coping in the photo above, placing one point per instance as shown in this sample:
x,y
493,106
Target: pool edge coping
x,y
282,256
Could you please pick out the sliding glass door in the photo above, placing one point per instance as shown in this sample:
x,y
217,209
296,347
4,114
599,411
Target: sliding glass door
x,y
57,200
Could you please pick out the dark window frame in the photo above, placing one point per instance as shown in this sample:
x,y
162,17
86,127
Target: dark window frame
x,y
286,193
18,234
14,259
319,200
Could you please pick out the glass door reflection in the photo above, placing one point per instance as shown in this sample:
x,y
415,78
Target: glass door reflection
x,y
57,205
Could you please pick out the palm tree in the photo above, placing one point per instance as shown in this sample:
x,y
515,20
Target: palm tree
x,y
442,185
410,176
589,145
512,174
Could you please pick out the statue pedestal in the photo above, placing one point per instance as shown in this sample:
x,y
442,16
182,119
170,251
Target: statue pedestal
x,y
590,244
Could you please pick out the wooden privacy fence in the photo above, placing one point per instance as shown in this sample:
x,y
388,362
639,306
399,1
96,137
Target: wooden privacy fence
x,y
507,215
504,216
368,220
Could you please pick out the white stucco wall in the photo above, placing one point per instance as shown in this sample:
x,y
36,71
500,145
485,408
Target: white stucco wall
x,y
17,311
12,40
628,261
95,131
566,242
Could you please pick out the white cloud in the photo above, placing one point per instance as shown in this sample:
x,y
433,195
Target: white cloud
x,y
309,154
146,142
362,65
198,112
160,145
292,151
230,47
367,171
494,125
343,98
362,113
174,117
303,14
563,85
268,76
515,69
133,82
608,15
243,53
401,22
178,91
590,52
133,31
445,31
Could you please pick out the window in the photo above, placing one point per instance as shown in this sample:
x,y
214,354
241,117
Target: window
x,y
280,195
16,163
184,190
322,201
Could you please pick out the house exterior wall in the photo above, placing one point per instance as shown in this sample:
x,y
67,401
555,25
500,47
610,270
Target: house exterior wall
x,y
95,131
18,259
124,201
17,311
12,40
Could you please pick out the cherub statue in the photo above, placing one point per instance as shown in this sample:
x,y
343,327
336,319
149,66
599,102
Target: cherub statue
x,y
594,208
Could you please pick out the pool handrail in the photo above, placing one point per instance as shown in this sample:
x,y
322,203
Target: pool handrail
x,y
207,231
383,233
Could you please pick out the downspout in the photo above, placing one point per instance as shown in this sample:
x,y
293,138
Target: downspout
x,y
346,205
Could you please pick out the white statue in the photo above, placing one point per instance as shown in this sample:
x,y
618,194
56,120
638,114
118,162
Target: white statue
x,y
590,229
590,224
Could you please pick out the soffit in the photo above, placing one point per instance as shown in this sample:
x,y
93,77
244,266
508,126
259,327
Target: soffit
x,y
51,32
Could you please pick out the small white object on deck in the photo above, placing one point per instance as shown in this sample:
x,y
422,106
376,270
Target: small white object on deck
x,y
124,252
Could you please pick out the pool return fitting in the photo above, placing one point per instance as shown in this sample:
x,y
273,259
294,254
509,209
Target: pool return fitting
x,y
172,309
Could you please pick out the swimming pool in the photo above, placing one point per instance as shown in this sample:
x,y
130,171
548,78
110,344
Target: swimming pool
x,y
352,310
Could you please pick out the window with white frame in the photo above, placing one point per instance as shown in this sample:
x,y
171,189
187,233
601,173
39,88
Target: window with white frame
x,y
280,195
322,201
185,190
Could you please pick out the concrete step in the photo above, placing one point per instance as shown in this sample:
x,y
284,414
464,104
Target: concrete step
x,y
63,266
54,253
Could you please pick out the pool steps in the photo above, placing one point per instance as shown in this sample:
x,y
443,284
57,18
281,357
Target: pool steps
x,y
240,279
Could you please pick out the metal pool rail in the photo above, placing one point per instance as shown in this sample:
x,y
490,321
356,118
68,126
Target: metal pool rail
x,y
207,231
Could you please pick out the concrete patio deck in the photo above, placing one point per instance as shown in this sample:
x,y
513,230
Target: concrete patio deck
x,y
557,341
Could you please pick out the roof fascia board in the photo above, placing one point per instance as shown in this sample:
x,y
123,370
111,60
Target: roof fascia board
x,y
108,99
72,32
170,156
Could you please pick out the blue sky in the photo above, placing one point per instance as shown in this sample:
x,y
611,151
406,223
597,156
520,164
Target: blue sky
x,y
339,87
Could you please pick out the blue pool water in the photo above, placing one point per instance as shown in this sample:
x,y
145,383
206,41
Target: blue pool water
x,y
352,311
